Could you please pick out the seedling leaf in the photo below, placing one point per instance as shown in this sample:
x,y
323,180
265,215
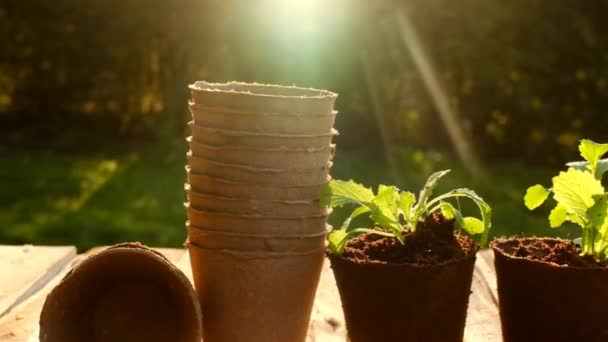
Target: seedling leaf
x,y
346,192
558,216
592,152
535,196
575,190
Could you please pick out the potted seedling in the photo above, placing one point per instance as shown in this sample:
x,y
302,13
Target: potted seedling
x,y
553,289
407,275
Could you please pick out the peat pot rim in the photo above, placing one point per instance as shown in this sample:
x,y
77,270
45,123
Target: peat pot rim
x,y
238,183
252,255
253,216
334,132
255,169
260,236
496,246
236,199
197,108
256,90
378,265
310,149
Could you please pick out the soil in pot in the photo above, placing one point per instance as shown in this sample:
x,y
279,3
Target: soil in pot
x,y
405,292
548,292
124,293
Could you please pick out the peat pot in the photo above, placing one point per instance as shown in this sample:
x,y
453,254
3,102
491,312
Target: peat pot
x,y
222,187
404,302
264,176
215,239
223,137
255,296
127,292
263,98
279,157
257,224
544,301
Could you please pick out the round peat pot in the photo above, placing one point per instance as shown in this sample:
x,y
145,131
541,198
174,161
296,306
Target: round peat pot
x,y
263,97
295,208
305,157
254,242
258,224
269,123
255,296
223,137
124,293
404,302
544,301
265,176
221,187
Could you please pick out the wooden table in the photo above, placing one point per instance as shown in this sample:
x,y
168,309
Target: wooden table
x,y
28,273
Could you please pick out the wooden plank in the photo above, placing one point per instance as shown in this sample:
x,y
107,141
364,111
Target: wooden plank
x,y
26,269
21,324
483,320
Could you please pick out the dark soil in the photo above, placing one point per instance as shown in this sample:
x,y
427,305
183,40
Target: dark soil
x,y
560,252
432,243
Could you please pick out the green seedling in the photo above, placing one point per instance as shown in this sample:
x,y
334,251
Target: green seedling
x,y
580,198
395,212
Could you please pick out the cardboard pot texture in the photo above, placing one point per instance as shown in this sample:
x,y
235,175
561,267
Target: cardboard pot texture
x,y
295,208
124,293
542,301
222,137
223,187
258,224
388,302
262,98
270,123
255,242
277,158
255,296
263,176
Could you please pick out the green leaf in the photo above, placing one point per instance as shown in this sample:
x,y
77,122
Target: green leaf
x,y
558,216
592,152
426,193
575,190
356,213
602,167
598,212
343,192
535,196
385,207
448,211
473,225
337,240
406,201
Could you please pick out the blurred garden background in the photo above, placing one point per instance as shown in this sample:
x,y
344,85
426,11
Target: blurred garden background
x,y
93,100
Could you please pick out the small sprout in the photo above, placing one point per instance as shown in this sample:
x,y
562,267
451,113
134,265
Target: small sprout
x,y
581,199
395,212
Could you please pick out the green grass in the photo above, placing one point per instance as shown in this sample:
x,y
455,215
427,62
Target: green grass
x,y
105,198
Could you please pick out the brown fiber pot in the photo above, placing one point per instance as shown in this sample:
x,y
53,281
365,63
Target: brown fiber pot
x,y
304,157
263,98
541,301
222,187
124,293
259,224
222,137
271,123
255,242
404,302
295,208
255,296
267,176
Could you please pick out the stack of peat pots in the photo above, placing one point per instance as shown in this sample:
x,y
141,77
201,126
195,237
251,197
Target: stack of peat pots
x,y
259,159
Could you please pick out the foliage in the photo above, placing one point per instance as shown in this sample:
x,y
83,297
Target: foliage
x,y
395,212
580,198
